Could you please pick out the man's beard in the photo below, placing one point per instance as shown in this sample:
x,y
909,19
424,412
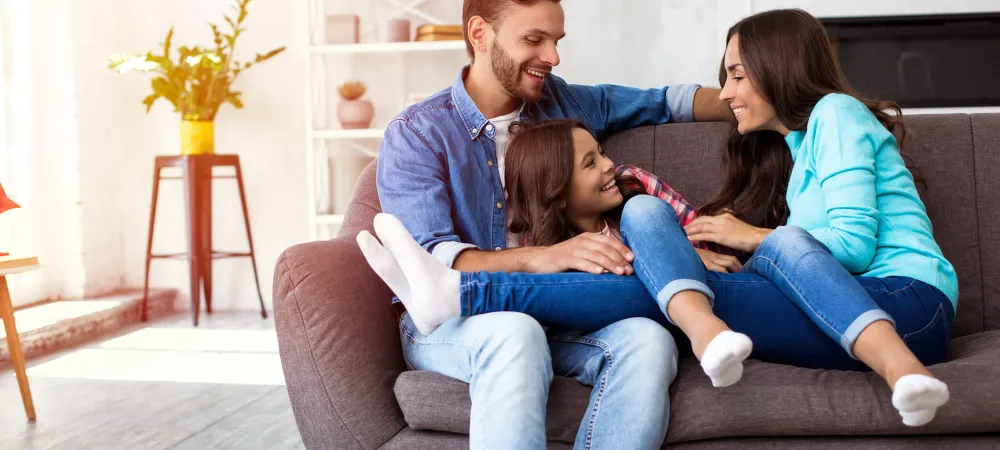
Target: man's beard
x,y
508,73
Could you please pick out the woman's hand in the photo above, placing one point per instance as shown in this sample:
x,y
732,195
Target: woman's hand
x,y
719,263
726,230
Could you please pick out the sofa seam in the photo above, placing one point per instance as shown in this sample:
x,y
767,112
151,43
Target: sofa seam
x,y
979,229
312,357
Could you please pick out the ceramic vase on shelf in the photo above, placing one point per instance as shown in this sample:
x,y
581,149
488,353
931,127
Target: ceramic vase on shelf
x,y
353,111
197,137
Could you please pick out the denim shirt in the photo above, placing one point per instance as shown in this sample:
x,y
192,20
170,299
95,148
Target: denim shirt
x,y
437,169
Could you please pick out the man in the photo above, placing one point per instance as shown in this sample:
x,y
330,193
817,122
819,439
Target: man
x,y
440,171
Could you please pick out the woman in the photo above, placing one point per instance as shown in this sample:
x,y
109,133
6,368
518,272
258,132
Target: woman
x,y
853,274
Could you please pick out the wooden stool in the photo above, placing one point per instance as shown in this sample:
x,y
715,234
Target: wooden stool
x,y
197,176
8,266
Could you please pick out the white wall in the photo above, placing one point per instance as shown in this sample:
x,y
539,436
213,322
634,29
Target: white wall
x,y
640,42
118,143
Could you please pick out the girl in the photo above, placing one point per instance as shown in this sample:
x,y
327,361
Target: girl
x,y
844,274
561,185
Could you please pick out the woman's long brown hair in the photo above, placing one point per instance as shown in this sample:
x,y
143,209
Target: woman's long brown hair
x,y
787,56
538,169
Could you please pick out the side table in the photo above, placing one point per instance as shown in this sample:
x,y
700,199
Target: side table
x,y
197,177
9,266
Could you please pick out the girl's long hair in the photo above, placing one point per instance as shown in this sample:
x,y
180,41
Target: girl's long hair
x,y
539,167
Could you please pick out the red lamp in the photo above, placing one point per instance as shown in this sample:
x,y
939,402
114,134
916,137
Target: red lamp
x,y
6,204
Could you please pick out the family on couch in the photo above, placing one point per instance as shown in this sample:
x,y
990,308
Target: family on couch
x,y
520,251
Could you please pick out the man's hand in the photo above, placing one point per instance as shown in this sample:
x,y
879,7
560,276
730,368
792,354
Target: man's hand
x,y
587,252
719,263
726,230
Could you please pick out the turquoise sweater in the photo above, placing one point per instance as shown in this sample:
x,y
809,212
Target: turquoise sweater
x,y
851,190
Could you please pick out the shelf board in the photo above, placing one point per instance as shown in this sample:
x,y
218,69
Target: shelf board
x,y
367,133
389,47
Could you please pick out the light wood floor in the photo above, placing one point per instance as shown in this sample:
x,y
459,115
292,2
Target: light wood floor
x,y
164,385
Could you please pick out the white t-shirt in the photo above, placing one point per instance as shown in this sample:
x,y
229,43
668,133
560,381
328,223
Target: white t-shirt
x,y
501,137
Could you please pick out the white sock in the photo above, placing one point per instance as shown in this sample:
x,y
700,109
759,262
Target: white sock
x,y
723,357
917,398
383,264
434,296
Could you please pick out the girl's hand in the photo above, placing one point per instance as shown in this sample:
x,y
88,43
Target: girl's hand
x,y
726,230
719,263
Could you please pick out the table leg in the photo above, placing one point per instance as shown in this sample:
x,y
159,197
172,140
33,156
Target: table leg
x,y
14,344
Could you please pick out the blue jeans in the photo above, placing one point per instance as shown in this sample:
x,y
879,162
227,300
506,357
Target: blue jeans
x,y
508,360
793,299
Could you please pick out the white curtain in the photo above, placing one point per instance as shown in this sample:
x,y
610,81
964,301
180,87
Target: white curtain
x,y
38,150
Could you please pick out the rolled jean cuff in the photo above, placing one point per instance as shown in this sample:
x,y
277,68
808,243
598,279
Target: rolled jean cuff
x,y
850,336
465,293
674,287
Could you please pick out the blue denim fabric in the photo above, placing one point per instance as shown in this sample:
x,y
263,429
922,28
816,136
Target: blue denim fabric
x,y
508,361
437,169
794,300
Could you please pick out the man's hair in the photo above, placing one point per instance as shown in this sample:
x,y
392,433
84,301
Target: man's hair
x,y
491,11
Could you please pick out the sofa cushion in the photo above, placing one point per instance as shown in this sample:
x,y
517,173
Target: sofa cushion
x,y
770,400
986,134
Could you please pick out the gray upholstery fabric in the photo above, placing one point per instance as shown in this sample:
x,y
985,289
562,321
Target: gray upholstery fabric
x,y
849,443
409,439
986,135
635,147
339,342
770,400
941,148
339,346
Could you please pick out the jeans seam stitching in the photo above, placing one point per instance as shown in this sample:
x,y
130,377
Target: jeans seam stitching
x,y
912,280
604,378
934,318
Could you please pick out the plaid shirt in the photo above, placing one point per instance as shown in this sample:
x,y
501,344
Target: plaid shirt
x,y
657,188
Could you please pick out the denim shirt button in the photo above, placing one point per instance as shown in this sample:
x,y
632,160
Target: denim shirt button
x,y
497,249
489,163
499,205
489,127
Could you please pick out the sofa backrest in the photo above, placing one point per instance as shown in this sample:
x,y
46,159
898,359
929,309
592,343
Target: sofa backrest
x,y
958,155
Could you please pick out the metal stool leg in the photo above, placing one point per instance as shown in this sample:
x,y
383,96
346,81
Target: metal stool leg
x,y
253,258
192,179
205,221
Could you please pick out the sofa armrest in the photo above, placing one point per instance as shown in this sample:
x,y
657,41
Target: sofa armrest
x,y
339,345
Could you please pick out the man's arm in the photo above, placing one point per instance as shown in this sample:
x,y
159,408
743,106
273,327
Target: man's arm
x,y
411,180
708,107
610,109
511,260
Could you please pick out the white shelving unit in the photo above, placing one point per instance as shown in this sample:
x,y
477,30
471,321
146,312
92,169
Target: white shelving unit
x,y
326,142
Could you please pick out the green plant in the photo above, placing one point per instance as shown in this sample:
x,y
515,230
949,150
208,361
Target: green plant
x,y
201,79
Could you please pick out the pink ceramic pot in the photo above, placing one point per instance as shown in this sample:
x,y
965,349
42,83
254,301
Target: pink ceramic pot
x,y
355,114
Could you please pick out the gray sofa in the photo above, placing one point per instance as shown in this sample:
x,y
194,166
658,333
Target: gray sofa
x,y
349,387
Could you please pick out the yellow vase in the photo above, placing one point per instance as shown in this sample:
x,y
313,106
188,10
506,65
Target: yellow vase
x,y
197,137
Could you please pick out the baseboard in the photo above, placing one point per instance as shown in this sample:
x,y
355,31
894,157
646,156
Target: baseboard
x,y
51,327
